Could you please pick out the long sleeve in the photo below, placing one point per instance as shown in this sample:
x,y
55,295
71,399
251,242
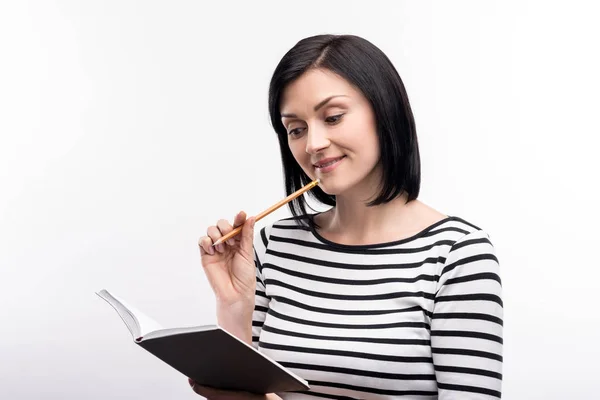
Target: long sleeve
x,y
467,325
261,300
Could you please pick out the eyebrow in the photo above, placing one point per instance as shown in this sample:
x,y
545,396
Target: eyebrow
x,y
315,108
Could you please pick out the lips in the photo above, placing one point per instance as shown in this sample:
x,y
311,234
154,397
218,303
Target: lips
x,y
328,165
326,162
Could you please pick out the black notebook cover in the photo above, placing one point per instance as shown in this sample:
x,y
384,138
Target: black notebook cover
x,y
215,358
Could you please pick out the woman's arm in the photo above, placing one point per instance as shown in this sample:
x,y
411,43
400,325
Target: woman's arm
x,y
245,323
245,319
467,325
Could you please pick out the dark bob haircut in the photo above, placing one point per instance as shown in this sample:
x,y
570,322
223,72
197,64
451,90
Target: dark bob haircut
x,y
369,70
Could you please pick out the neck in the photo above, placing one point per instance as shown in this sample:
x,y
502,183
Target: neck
x,y
354,221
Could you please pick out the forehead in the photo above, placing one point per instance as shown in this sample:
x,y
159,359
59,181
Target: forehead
x,y
312,87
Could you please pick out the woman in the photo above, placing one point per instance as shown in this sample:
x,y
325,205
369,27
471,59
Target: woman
x,y
381,296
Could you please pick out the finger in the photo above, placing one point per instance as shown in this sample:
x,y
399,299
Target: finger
x,y
225,227
215,234
204,391
247,240
205,244
239,220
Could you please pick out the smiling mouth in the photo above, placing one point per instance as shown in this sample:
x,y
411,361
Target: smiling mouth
x,y
320,165
329,165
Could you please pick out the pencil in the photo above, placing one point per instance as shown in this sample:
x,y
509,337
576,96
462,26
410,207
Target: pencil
x,y
269,210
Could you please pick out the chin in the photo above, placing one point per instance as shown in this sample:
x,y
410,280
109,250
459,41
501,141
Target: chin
x,y
332,186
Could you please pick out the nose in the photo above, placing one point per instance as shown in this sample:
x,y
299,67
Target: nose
x,y
316,140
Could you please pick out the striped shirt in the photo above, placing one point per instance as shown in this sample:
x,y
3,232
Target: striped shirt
x,y
418,318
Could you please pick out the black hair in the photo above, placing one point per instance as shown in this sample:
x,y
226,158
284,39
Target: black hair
x,y
369,70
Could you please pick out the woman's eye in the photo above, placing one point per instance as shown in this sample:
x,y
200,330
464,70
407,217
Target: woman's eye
x,y
295,132
334,119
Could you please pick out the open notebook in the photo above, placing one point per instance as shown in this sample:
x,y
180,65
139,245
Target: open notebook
x,y
208,354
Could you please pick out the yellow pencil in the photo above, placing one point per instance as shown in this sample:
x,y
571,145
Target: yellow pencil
x,y
269,210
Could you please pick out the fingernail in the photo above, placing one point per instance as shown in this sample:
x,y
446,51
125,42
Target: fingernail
x,y
211,251
220,247
231,242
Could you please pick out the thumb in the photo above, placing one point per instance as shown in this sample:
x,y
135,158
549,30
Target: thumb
x,y
247,240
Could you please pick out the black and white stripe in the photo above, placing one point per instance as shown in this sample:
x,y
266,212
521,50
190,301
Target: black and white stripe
x,y
419,318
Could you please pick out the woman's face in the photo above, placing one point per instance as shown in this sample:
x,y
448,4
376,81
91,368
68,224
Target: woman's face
x,y
332,133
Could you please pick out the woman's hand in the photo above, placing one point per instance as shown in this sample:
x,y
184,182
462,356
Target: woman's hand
x,y
217,394
229,266
230,270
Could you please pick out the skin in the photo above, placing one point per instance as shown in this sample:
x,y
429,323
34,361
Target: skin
x,y
325,117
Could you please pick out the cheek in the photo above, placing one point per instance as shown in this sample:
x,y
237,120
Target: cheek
x,y
362,137
365,144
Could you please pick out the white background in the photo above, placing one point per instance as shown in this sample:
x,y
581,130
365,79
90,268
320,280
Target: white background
x,y
128,127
